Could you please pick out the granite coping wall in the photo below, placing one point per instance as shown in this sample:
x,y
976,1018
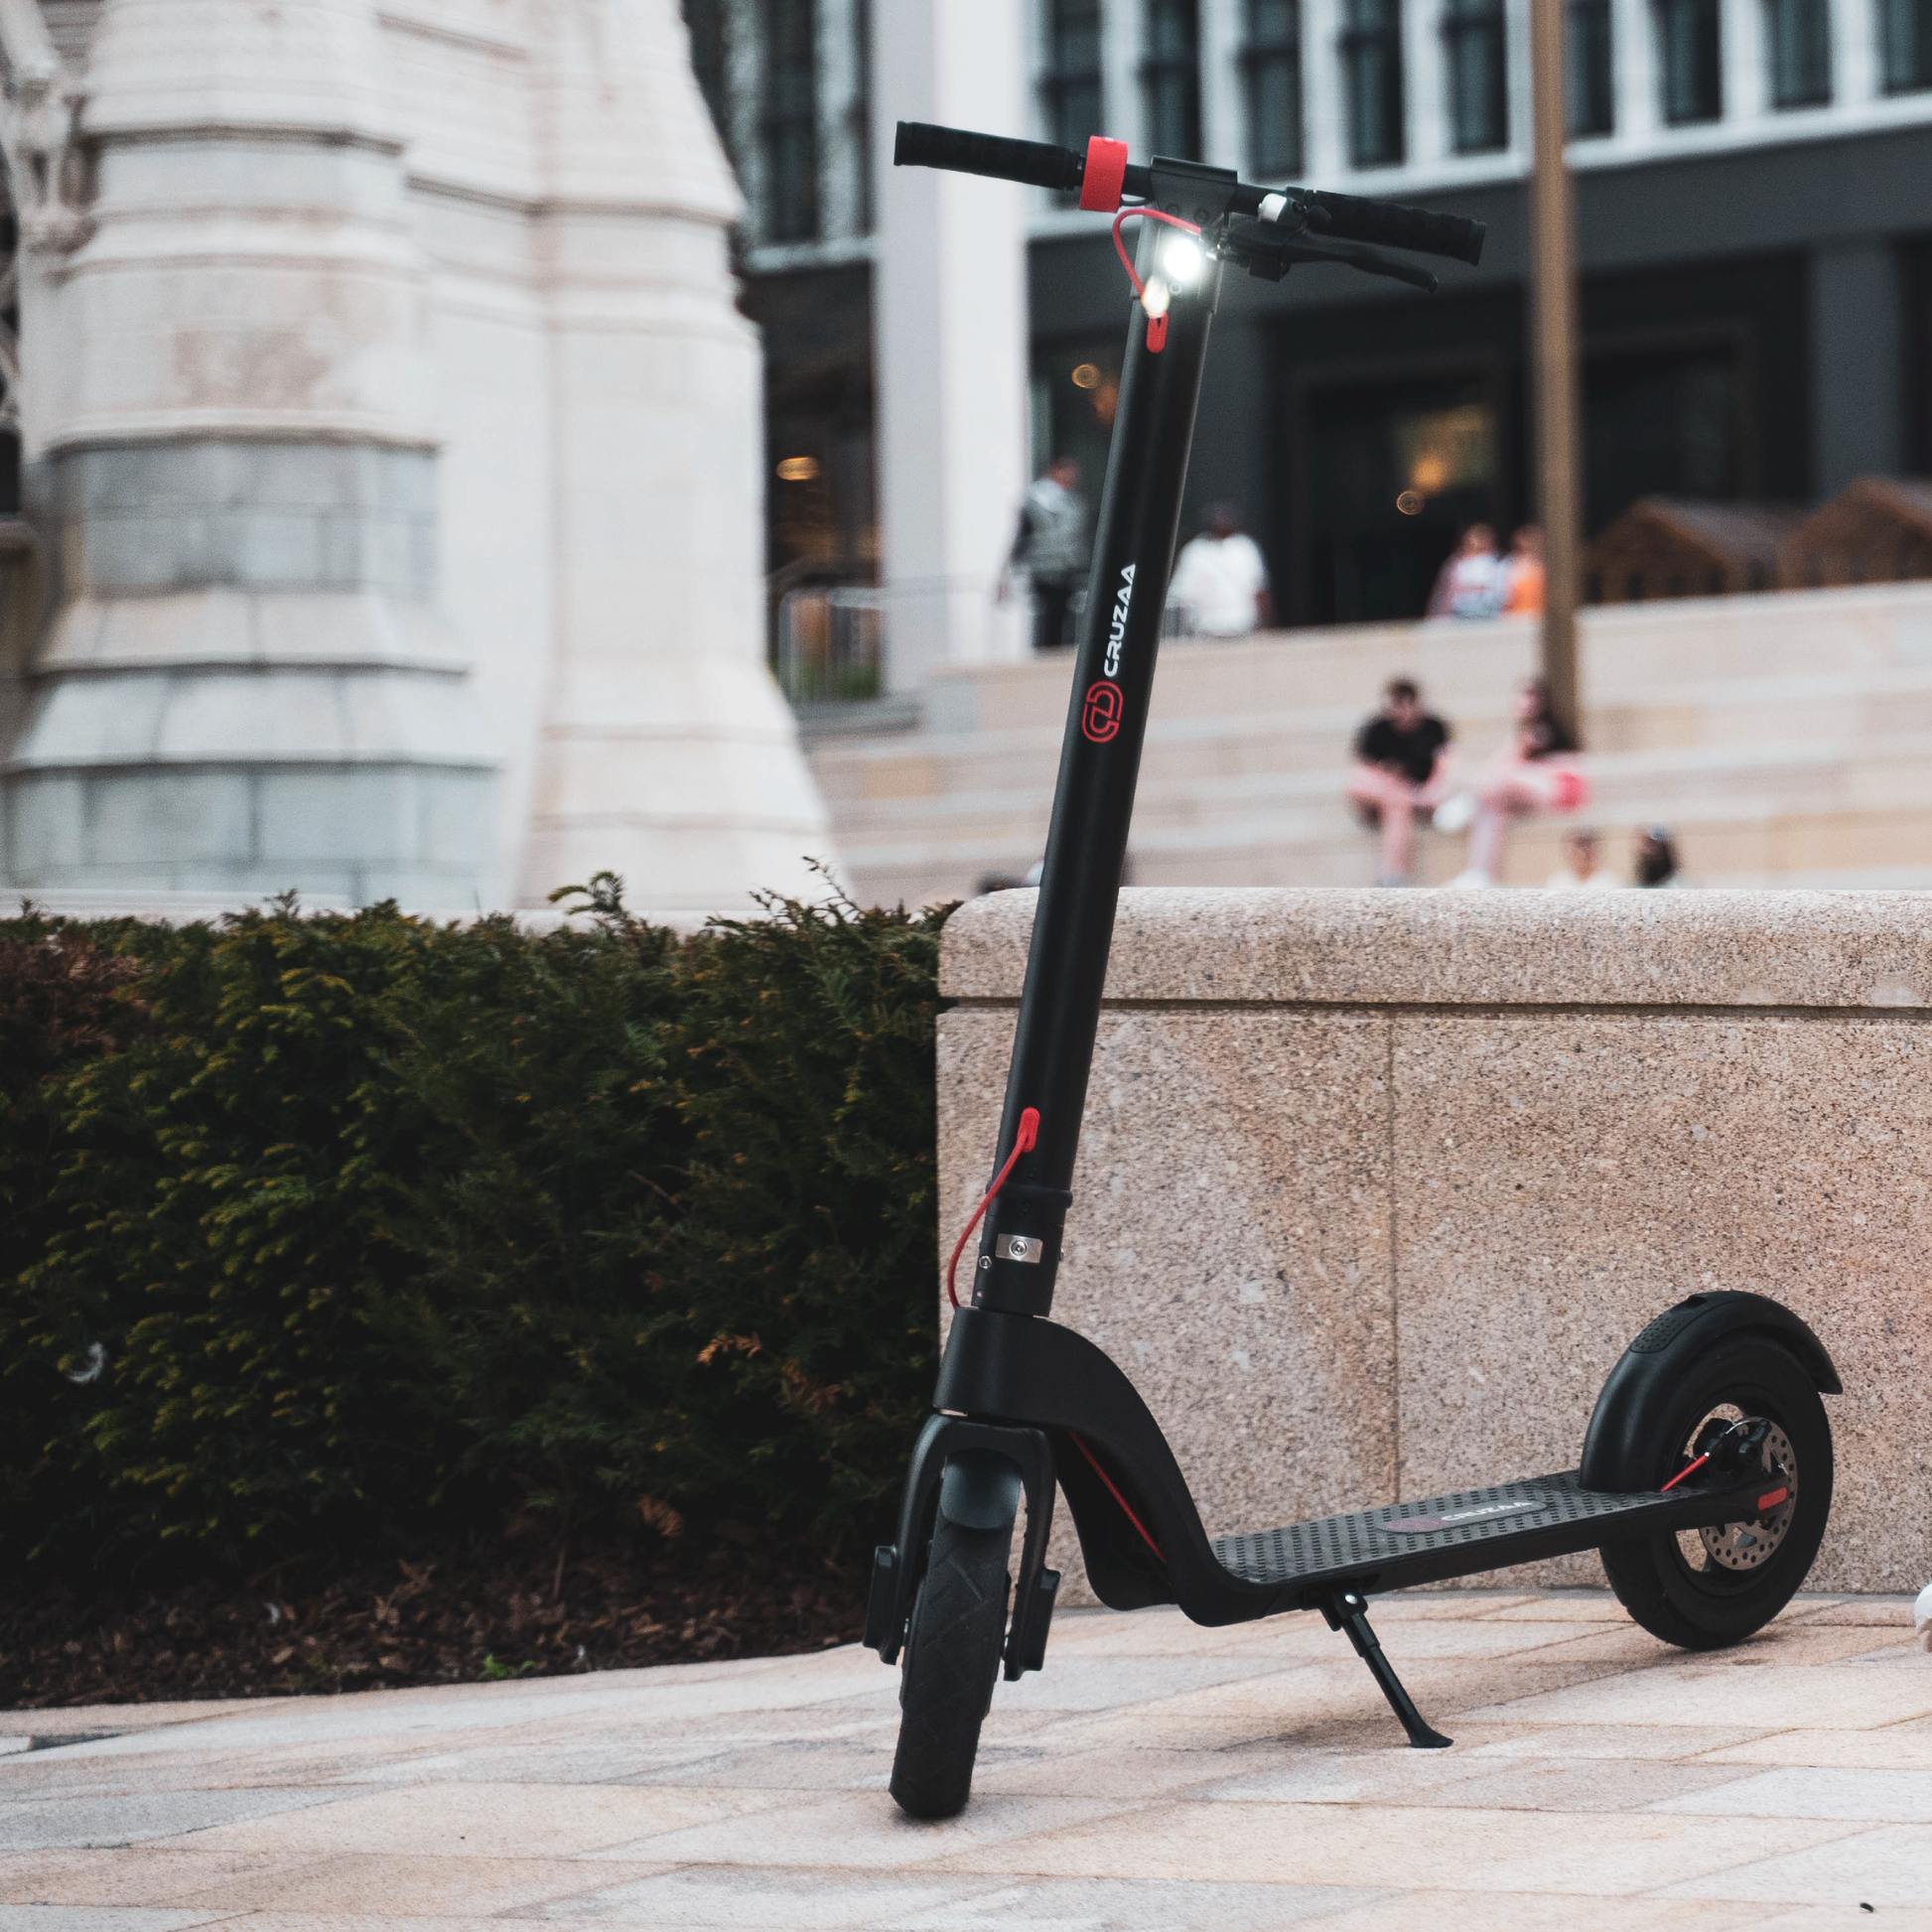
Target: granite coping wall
x,y
1375,1188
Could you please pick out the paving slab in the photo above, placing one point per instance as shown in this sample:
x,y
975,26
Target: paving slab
x,y
1154,1776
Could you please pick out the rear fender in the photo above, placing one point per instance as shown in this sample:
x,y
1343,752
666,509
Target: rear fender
x,y
1623,1430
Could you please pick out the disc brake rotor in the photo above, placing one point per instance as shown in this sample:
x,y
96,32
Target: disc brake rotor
x,y
1751,1544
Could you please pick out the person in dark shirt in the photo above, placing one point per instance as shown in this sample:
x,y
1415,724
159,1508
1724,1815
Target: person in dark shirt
x,y
1400,771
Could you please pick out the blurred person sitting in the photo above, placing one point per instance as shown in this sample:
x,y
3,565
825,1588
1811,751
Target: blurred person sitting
x,y
1532,770
1656,858
1052,545
1222,578
1470,583
1523,574
1400,771
1581,871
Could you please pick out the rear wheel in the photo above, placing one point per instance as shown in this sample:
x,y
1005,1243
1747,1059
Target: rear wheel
x,y
1704,1588
952,1659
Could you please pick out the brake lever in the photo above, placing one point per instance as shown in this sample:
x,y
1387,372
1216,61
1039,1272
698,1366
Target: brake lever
x,y
1268,248
1370,260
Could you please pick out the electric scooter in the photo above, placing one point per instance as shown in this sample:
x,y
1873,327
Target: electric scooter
x,y
1706,1475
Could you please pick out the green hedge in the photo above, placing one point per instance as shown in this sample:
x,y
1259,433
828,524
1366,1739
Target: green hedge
x,y
329,1234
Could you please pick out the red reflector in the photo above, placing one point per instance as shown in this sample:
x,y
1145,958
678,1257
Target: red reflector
x,y
1106,170
1772,1501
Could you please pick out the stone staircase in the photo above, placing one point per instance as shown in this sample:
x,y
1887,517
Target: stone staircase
x,y
1786,740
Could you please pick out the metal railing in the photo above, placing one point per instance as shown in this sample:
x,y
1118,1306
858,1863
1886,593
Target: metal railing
x,y
831,643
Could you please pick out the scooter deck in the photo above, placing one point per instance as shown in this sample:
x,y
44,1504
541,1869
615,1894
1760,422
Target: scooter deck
x,y
1466,1530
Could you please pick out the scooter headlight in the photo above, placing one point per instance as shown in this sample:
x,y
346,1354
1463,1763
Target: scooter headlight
x,y
1181,258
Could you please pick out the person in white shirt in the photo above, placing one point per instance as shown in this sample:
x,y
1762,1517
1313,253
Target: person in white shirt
x,y
1222,579
1473,581
1581,871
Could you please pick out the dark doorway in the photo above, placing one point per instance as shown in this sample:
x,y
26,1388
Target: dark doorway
x,y
820,496
1666,422
1398,470
1075,391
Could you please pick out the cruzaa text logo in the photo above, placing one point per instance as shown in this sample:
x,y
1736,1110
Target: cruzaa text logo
x,y
1117,633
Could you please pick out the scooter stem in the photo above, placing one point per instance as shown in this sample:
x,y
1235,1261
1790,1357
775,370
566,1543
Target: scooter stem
x,y
1100,759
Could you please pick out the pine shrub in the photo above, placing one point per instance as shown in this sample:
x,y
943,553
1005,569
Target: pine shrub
x,y
333,1233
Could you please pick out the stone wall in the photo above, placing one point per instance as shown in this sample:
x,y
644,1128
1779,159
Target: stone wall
x,y
1375,1188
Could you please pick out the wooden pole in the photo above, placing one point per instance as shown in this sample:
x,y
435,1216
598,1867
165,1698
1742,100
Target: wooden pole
x,y
1552,334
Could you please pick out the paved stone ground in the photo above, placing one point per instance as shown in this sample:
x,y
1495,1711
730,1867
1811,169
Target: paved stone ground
x,y
1154,1775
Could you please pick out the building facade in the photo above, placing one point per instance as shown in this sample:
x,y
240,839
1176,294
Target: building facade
x,y
1754,240
390,462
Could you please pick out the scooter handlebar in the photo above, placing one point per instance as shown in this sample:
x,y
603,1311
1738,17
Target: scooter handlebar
x,y
1038,163
1345,217
1350,218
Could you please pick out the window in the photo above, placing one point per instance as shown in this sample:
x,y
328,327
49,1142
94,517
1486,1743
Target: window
x,y
1799,33
1906,28
861,111
705,22
1071,86
1272,59
1688,47
789,129
1473,31
1171,77
1371,57
1588,70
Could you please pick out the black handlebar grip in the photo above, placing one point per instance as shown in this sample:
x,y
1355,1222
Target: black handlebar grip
x,y
1350,218
1039,163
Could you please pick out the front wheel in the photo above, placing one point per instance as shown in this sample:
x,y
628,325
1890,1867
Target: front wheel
x,y
1704,1588
952,1659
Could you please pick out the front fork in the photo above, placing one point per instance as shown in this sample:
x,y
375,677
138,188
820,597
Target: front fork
x,y
983,1468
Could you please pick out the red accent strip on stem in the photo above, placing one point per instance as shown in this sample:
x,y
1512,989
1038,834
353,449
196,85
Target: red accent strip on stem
x,y
1023,1142
1126,1510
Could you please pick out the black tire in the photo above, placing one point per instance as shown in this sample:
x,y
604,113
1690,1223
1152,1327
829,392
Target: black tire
x,y
1675,1585
952,1660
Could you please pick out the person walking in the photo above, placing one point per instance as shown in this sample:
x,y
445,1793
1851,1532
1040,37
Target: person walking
x,y
1222,578
1398,772
1053,547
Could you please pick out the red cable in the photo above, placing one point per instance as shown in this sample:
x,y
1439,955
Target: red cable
x,y
1690,1468
1116,1496
1023,1142
1153,214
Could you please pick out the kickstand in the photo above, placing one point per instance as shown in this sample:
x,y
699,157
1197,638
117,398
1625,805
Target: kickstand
x,y
1348,1613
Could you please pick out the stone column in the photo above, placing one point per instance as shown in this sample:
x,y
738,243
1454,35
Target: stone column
x,y
949,309
667,754
245,686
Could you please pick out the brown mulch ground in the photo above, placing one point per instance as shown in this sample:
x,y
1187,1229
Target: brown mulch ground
x,y
458,1616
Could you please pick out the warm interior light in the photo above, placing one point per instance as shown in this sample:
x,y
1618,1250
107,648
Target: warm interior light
x,y
1086,376
1181,258
1431,473
798,469
1409,503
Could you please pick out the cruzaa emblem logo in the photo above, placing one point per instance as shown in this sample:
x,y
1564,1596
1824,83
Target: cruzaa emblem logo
x,y
1117,632
1100,714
